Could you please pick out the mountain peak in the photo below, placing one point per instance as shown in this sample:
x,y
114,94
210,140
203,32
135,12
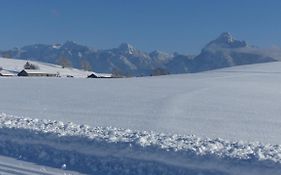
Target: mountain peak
x,y
127,48
158,53
69,43
225,37
225,40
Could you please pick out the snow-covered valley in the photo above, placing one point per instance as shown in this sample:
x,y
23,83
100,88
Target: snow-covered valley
x,y
241,105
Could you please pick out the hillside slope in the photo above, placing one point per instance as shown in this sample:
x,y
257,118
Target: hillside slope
x,y
15,66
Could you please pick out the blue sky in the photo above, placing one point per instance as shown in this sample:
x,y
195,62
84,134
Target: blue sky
x,y
184,26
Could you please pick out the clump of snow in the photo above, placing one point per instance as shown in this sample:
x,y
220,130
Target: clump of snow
x,y
56,46
107,149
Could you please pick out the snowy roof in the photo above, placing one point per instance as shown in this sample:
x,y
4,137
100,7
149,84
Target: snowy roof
x,y
101,75
7,73
104,75
31,71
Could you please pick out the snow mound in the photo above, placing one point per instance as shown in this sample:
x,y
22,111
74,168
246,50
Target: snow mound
x,y
107,150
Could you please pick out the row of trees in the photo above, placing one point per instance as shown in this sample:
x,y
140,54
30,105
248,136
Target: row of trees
x,y
65,62
29,65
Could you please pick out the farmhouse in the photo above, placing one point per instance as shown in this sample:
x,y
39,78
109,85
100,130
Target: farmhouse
x,y
34,73
95,75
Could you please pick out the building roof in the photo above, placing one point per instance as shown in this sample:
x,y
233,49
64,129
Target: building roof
x,y
97,75
7,73
31,71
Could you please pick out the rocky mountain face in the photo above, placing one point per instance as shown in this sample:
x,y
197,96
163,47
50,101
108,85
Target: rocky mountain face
x,y
127,60
225,51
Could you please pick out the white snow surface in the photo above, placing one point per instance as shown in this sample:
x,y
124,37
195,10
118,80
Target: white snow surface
x,y
15,65
234,113
189,153
239,103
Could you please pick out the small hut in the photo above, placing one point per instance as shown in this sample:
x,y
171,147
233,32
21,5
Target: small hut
x,y
99,75
93,75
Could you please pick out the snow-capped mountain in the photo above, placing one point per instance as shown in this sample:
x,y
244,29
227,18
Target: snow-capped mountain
x,y
128,49
124,59
224,51
226,40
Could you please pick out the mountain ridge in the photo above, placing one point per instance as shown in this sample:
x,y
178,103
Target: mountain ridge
x,y
224,51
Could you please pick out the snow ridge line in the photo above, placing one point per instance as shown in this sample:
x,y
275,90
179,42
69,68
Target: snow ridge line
x,y
216,156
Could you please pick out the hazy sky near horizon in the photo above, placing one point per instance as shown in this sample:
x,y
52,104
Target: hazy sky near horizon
x,y
184,26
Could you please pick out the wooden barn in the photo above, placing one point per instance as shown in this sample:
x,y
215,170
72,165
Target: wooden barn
x,y
34,73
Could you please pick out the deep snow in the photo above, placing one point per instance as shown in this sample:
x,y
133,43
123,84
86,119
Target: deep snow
x,y
124,151
239,103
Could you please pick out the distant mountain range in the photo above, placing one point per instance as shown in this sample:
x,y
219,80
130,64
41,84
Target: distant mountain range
x,y
224,51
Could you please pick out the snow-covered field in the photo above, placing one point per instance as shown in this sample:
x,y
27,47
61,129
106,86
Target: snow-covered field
x,y
240,104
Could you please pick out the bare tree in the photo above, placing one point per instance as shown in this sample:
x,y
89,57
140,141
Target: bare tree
x,y
85,65
116,73
64,62
159,71
7,55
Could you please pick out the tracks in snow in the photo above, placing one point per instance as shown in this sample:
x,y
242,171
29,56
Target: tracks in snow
x,y
9,169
